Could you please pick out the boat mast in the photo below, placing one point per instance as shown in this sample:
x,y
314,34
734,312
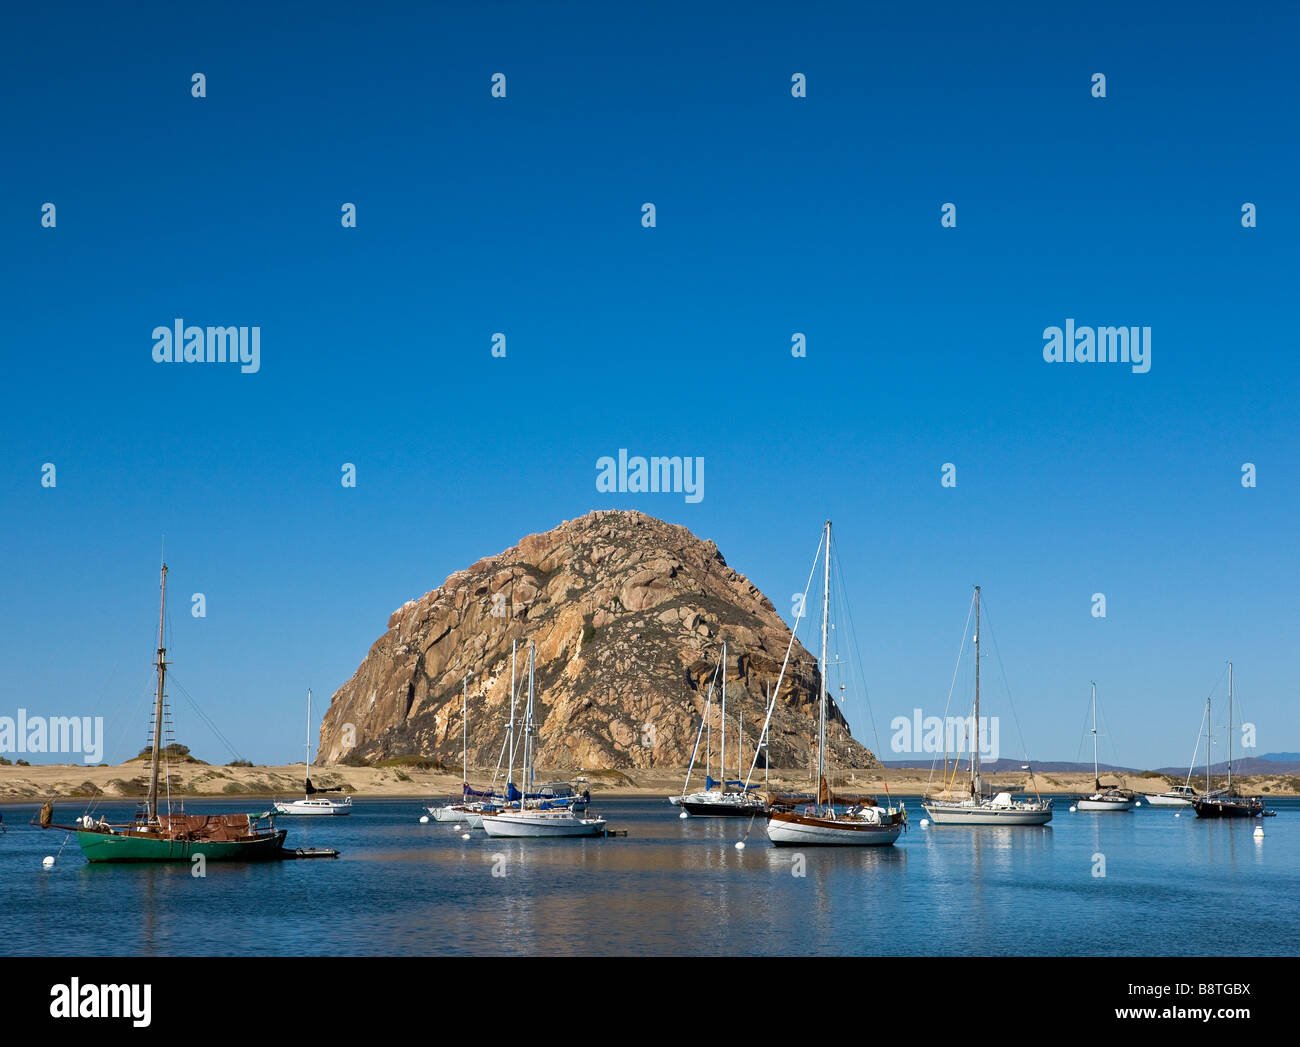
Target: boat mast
x,y
464,733
528,727
826,610
1096,775
722,757
158,705
510,730
1207,744
306,774
975,786
1229,728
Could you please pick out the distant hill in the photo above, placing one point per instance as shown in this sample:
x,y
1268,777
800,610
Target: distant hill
x,y
1002,765
1272,763
1244,765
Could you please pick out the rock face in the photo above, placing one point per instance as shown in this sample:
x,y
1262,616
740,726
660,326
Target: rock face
x,y
628,614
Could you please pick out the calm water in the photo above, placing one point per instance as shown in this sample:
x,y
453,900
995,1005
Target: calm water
x,y
1171,886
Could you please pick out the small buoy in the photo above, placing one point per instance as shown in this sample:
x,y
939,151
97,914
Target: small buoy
x,y
464,836
77,820
1138,804
1178,814
457,826
684,814
1073,808
424,819
925,822
49,861
1259,832
740,845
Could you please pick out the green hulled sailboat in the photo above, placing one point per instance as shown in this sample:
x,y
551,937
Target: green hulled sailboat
x,y
155,836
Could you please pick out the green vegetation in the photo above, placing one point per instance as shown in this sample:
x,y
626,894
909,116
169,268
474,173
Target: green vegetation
x,y
175,752
240,763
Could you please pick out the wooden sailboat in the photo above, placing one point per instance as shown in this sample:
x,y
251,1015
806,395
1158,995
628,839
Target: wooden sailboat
x,y
852,821
1103,798
155,836
545,818
311,803
1225,802
980,806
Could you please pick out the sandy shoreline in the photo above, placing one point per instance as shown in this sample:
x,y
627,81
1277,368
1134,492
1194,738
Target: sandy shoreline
x,y
67,782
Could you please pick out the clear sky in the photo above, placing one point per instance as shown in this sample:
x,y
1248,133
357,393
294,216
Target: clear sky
x,y
774,215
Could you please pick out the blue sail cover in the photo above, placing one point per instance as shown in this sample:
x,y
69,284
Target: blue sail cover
x,y
486,794
709,783
513,795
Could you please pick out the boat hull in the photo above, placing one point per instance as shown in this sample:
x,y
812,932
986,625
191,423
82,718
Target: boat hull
x,y
540,824
137,847
960,814
706,809
1228,809
786,829
312,807
1087,804
457,813
1161,800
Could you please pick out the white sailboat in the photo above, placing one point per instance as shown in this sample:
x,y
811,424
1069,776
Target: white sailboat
x,y
311,803
1178,796
980,806
844,821
1112,797
538,821
466,812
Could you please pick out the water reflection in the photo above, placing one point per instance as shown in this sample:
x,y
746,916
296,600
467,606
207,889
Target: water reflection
x,y
679,887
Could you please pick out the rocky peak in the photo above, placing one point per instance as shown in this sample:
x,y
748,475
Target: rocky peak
x,y
628,614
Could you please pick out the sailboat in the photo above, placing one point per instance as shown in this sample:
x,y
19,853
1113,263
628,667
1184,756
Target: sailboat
x,y
1225,803
724,799
545,819
309,804
156,836
469,811
1178,796
1110,797
853,821
981,806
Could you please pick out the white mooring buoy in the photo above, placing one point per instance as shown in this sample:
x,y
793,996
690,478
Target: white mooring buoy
x,y
684,814
424,819
1178,814
1073,808
49,861
1259,832
1138,803
464,836
740,845
925,823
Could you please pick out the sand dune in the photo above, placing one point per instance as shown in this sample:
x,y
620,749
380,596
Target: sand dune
x,y
78,783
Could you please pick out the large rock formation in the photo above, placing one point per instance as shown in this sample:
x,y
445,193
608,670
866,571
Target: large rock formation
x,y
628,614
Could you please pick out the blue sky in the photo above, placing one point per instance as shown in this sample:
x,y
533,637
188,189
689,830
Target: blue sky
x,y
774,215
